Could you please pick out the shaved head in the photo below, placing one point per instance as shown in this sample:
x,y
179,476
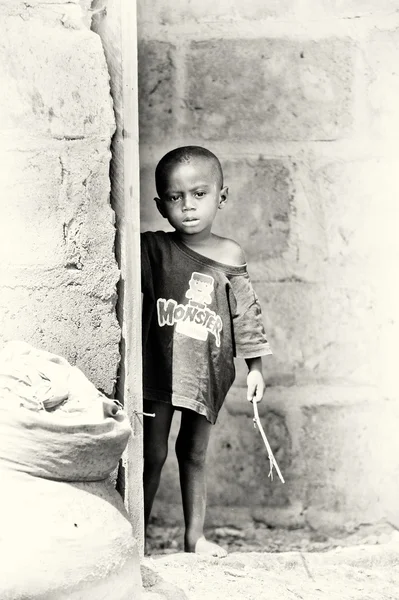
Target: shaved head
x,y
185,155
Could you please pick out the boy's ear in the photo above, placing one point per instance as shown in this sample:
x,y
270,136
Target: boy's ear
x,y
223,195
160,206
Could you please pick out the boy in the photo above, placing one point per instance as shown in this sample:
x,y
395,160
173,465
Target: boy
x,y
199,312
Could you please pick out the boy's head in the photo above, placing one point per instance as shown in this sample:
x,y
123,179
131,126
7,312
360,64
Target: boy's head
x,y
189,183
185,155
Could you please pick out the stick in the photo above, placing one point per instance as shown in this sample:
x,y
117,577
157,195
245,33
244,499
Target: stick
x,y
272,460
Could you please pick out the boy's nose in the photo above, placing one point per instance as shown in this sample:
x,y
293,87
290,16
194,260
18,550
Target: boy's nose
x,y
188,203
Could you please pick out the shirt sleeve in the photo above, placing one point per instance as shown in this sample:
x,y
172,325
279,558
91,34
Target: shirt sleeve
x,y
249,333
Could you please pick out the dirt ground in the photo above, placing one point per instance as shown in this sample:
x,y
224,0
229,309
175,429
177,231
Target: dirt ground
x,y
275,564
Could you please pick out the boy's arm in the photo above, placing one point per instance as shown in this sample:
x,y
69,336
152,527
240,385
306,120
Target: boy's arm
x,y
255,381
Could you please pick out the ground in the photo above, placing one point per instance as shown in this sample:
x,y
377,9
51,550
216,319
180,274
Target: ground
x,y
276,564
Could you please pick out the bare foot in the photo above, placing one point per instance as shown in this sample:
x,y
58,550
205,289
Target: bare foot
x,y
209,548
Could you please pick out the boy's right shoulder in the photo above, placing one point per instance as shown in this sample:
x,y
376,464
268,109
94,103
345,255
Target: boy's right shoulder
x,y
154,237
155,244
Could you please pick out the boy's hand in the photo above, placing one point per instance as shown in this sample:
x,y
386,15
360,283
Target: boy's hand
x,y
255,386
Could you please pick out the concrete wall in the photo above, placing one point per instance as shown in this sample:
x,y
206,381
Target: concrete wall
x,y
299,101
57,264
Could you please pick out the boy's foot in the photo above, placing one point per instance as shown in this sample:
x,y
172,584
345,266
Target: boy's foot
x,y
206,548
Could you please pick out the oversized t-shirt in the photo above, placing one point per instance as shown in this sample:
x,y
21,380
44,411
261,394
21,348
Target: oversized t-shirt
x,y
198,314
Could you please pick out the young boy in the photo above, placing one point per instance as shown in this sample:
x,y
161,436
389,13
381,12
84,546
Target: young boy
x,y
199,312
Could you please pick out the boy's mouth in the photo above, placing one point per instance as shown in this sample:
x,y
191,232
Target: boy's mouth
x,y
190,220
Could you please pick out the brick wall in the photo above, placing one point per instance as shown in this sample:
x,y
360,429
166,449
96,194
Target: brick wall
x,y
299,101
57,264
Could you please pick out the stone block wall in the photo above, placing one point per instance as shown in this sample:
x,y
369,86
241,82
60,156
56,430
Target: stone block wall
x,y
57,264
299,101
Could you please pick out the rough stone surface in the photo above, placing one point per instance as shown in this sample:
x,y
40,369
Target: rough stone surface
x,y
364,572
382,53
208,10
295,91
64,320
359,213
318,334
352,8
260,192
357,200
69,207
347,478
157,101
58,270
163,13
66,13
35,3
51,102
156,588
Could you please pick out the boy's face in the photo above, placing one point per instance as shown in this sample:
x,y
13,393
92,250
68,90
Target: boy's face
x,y
191,195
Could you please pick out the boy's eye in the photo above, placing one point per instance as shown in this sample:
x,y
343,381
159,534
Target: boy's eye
x,y
199,194
175,198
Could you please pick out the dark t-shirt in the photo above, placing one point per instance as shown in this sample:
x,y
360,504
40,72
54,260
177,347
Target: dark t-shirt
x,y
198,314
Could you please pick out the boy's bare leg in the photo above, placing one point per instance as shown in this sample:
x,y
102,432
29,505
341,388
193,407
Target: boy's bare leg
x,y
191,448
156,434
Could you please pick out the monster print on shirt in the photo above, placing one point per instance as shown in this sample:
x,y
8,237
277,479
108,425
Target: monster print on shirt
x,y
193,319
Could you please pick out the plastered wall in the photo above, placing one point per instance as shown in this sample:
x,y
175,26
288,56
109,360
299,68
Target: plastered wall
x,y
57,264
299,101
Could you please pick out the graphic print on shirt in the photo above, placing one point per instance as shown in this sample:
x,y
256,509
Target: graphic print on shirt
x,y
194,319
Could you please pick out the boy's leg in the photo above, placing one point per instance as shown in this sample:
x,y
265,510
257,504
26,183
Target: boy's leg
x,y
156,434
191,448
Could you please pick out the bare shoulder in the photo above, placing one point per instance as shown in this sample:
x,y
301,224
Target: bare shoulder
x,y
230,252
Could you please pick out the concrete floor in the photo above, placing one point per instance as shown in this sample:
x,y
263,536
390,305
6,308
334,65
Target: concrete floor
x,y
365,566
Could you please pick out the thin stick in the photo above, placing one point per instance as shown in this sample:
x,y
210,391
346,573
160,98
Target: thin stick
x,y
137,412
272,460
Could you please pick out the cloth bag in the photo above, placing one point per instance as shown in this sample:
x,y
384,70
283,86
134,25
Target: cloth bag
x,y
64,531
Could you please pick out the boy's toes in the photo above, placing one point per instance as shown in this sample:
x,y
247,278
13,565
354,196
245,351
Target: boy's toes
x,y
209,548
